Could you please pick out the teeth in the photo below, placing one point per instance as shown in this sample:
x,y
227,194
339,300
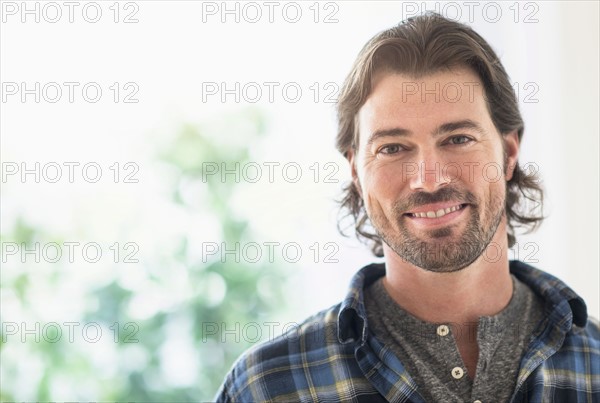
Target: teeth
x,y
437,214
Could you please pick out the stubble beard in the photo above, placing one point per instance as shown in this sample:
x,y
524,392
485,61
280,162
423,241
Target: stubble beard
x,y
440,253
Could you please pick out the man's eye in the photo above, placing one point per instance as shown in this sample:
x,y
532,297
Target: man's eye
x,y
456,140
390,149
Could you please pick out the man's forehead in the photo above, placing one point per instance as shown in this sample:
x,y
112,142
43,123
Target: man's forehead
x,y
443,94
449,85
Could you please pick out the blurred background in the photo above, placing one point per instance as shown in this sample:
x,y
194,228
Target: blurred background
x,y
169,177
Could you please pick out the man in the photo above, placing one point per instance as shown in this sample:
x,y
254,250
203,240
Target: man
x,y
431,128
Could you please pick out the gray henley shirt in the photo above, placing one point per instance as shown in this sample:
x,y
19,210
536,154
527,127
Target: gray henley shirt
x,y
429,352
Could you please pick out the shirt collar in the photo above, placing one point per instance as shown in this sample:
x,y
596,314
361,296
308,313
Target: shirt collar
x,y
352,319
555,293
569,307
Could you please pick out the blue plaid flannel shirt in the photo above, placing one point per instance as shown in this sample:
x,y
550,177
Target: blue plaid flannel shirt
x,y
332,356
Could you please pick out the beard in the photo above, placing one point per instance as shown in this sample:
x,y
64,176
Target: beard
x,y
437,252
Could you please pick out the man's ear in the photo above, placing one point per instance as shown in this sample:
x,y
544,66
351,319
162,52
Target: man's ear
x,y
351,156
511,152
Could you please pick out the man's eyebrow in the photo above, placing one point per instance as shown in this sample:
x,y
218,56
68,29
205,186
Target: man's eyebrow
x,y
398,131
459,125
444,128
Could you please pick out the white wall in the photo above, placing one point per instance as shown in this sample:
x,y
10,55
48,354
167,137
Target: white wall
x,y
171,51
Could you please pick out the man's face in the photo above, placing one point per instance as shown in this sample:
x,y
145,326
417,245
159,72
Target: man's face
x,y
431,168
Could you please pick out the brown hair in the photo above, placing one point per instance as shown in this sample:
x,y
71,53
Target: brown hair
x,y
425,45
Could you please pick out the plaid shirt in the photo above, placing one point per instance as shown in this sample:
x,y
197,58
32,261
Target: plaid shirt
x,y
333,357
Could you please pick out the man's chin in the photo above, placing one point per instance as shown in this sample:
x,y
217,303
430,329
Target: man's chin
x,y
444,266
445,233
441,253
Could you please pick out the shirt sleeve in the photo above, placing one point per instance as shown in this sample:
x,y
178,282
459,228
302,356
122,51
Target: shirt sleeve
x,y
222,395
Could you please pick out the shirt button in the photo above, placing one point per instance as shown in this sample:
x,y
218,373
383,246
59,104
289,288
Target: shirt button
x,y
457,372
442,330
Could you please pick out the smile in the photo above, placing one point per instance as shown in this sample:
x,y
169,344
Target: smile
x,y
438,213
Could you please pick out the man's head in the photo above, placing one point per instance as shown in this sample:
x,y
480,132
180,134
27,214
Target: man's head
x,y
429,121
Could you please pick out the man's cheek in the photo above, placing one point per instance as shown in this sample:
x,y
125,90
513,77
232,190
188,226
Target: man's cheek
x,y
372,205
379,208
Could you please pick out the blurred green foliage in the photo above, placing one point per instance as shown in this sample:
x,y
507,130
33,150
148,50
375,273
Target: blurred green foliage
x,y
151,355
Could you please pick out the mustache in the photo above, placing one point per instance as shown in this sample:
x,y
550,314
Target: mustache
x,y
445,194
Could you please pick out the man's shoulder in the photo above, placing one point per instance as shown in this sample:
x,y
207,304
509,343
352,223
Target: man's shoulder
x,y
568,343
585,339
278,367
313,333
572,372
563,305
310,360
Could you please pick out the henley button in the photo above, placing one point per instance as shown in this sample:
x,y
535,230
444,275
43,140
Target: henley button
x,y
443,330
457,372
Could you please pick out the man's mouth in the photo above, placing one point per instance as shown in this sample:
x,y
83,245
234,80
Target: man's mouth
x,y
437,213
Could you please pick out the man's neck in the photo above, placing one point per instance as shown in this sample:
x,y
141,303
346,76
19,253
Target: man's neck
x,y
481,289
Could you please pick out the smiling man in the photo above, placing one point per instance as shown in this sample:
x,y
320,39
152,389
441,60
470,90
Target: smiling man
x,y
431,128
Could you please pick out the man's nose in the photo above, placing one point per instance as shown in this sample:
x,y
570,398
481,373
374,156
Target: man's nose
x,y
428,173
